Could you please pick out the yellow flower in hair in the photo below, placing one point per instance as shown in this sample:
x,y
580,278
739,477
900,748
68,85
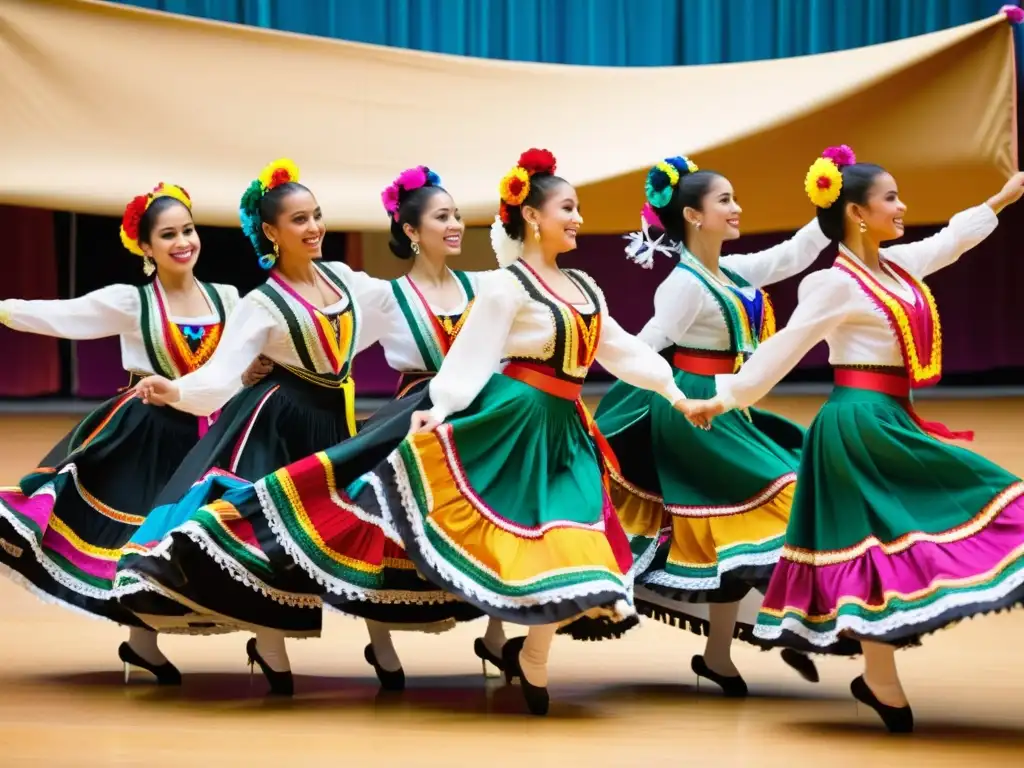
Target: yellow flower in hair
x,y
514,186
669,170
824,182
278,172
173,190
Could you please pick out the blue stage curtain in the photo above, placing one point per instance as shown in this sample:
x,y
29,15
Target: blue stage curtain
x,y
600,32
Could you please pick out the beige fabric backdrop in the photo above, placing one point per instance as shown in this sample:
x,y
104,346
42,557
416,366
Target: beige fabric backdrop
x,y
99,102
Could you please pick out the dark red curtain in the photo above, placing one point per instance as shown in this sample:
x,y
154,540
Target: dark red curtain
x,y
31,364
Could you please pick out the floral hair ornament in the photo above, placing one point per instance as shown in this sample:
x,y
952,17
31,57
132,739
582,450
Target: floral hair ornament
x,y
824,180
275,174
513,189
407,181
642,246
663,178
137,208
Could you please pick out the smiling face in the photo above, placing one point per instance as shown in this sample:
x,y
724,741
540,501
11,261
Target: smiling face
x,y
882,210
298,229
172,241
558,218
440,228
719,213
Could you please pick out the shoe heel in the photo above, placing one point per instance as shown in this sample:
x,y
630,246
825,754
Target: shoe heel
x,y
127,672
489,671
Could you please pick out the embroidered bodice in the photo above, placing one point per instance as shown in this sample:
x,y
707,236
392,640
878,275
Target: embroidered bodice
x,y
518,318
152,340
868,319
694,309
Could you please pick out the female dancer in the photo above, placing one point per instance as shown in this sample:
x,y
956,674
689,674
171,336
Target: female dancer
x,y
498,494
727,492
309,319
63,528
893,534
300,514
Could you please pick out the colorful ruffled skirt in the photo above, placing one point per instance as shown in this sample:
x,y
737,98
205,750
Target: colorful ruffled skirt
x,y
295,540
506,507
705,511
62,529
166,572
893,534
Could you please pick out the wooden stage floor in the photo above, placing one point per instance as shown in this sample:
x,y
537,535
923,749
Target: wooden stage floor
x,y
629,703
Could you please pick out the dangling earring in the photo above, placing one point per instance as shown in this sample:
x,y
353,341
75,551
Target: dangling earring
x,y
415,249
536,232
148,266
862,226
268,260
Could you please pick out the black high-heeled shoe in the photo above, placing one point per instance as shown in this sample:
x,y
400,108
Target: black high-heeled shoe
x,y
802,663
487,657
734,687
281,683
389,681
165,674
896,719
537,699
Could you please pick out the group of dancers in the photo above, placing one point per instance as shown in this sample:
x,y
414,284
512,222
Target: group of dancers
x,y
230,487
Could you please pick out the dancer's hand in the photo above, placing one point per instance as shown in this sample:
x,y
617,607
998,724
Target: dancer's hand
x,y
257,371
1010,193
156,390
685,407
422,421
701,413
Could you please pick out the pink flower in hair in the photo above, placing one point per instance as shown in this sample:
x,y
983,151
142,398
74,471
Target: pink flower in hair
x,y
651,216
389,197
412,178
1013,13
841,155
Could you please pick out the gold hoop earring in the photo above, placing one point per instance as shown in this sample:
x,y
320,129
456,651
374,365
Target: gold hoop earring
x,y
415,249
536,232
863,227
148,266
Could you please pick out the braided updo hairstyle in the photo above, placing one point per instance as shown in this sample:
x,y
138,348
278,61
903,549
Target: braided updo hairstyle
x,y
405,200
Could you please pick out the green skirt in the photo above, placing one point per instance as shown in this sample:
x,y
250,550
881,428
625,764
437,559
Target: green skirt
x,y
705,511
893,534
505,506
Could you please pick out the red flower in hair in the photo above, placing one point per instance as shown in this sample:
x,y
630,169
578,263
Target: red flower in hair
x,y
133,215
515,187
537,161
279,177
503,212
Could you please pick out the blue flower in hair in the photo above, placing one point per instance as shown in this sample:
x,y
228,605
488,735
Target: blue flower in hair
x,y
661,180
